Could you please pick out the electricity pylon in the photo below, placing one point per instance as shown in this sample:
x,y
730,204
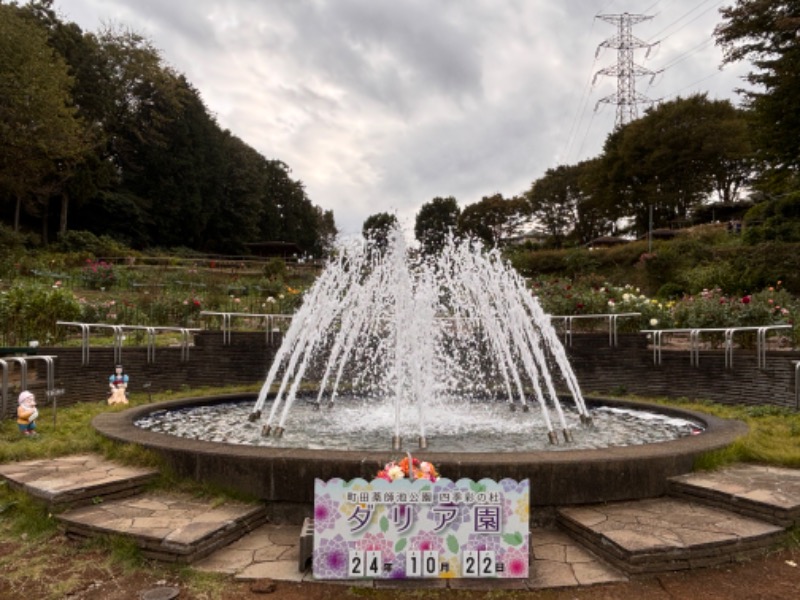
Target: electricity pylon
x,y
626,70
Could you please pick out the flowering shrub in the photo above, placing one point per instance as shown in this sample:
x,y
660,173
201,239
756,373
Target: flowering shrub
x,y
560,297
712,308
30,312
98,274
400,470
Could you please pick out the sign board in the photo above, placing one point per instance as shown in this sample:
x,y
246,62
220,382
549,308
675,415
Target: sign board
x,y
420,529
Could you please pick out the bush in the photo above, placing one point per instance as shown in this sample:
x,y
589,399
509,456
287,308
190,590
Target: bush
x,y
98,275
275,269
30,311
86,241
11,240
713,308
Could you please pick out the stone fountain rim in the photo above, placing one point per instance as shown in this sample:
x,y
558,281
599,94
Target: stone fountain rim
x,y
120,426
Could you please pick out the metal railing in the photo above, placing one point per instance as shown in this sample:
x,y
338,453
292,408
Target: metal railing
x,y
119,337
728,333
22,361
270,322
796,384
612,319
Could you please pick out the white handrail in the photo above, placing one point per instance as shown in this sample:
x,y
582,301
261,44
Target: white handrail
x,y
612,324
728,333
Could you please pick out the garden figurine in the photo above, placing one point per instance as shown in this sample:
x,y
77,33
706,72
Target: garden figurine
x,y
27,413
118,384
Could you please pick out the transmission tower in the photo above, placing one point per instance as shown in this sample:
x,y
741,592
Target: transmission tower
x,y
626,71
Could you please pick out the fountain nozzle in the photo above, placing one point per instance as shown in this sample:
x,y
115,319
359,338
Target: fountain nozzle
x,y
265,430
423,442
526,408
279,431
397,442
567,436
586,421
254,416
553,437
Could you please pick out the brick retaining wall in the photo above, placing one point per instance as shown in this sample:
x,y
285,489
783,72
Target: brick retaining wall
x,y
599,368
629,368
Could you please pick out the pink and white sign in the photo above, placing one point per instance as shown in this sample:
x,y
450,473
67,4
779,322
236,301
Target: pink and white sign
x,y
421,529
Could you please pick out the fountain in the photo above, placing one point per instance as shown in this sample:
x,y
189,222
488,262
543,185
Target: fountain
x,y
422,331
385,332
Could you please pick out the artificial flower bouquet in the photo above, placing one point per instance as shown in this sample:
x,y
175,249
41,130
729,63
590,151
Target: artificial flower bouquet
x,y
405,469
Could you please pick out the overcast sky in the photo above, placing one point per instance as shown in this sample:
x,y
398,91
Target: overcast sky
x,y
381,106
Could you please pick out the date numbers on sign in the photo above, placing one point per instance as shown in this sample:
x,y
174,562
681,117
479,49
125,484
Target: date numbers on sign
x,y
421,564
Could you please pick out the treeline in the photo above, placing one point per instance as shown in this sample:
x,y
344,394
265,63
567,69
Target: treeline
x,y
98,134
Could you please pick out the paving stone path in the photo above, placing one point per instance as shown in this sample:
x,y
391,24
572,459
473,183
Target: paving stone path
x,y
711,518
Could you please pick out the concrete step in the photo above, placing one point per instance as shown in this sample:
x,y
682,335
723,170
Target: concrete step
x,y
667,534
167,527
768,493
77,480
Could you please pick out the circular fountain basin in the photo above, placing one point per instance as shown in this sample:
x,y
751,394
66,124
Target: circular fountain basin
x,y
284,475
361,424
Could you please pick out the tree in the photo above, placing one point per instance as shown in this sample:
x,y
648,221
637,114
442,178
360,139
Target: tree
x,y
493,219
767,32
86,177
670,160
435,221
554,201
41,137
377,228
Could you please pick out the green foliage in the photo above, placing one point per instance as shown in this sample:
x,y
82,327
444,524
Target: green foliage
x,y
590,297
435,221
777,219
42,137
29,311
87,242
493,219
98,275
580,261
11,240
27,515
275,269
130,151
765,34
378,228
667,162
712,308
719,274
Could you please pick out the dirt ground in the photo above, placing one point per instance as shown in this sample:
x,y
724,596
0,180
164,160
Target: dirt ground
x,y
60,569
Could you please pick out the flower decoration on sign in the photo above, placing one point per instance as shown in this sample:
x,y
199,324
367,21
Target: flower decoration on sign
x,y
408,469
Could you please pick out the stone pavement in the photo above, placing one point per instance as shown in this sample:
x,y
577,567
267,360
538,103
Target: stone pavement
x,y
667,534
768,493
76,480
714,518
271,552
167,527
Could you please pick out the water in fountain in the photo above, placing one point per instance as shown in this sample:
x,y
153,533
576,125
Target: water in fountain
x,y
416,332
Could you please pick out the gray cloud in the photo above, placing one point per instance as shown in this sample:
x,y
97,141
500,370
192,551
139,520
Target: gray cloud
x,y
381,106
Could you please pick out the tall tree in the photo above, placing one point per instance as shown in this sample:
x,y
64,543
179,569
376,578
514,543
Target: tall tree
x,y
377,228
670,160
493,219
767,32
435,221
554,201
41,137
